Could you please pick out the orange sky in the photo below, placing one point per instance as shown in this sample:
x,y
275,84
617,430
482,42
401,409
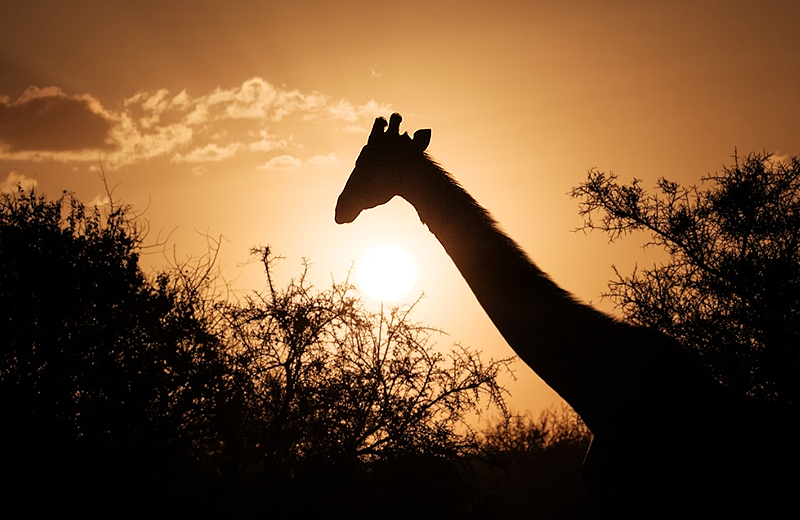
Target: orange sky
x,y
243,118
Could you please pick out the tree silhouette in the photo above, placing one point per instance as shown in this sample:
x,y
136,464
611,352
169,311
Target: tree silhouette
x,y
334,389
730,287
131,395
108,382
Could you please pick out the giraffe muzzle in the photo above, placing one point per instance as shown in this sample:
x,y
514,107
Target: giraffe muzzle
x,y
344,217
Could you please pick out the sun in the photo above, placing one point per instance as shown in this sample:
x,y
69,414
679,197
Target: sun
x,y
386,273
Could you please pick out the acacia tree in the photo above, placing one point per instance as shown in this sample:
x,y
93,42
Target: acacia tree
x,y
331,382
338,400
730,287
110,382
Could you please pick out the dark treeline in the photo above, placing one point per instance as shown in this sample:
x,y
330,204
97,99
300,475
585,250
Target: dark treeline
x,y
129,395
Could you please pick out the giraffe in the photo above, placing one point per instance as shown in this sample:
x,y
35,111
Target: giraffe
x,y
634,387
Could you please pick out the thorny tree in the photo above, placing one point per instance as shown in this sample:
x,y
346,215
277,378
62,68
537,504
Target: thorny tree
x,y
731,285
109,380
333,383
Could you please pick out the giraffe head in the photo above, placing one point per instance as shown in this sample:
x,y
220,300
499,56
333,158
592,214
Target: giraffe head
x,y
381,169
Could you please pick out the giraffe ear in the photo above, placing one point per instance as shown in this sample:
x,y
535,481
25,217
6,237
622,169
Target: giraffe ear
x,y
422,138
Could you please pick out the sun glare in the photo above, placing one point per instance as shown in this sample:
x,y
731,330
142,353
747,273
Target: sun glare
x,y
386,273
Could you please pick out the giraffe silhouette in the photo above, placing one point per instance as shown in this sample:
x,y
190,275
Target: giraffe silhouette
x,y
665,433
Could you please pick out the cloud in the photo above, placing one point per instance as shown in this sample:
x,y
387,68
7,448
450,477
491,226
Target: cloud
x,y
258,99
181,100
15,179
282,163
209,153
157,102
295,101
267,143
136,144
359,117
291,163
48,120
47,124
253,100
100,200
198,115
785,158
327,161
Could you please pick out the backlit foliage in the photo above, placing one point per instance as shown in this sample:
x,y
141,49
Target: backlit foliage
x,y
731,286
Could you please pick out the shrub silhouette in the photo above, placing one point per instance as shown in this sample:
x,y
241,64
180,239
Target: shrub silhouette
x,y
339,398
730,288
107,381
531,468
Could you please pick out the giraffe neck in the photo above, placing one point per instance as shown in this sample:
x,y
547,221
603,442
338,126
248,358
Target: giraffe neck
x,y
593,361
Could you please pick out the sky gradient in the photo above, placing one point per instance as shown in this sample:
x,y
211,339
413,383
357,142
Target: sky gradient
x,y
242,119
